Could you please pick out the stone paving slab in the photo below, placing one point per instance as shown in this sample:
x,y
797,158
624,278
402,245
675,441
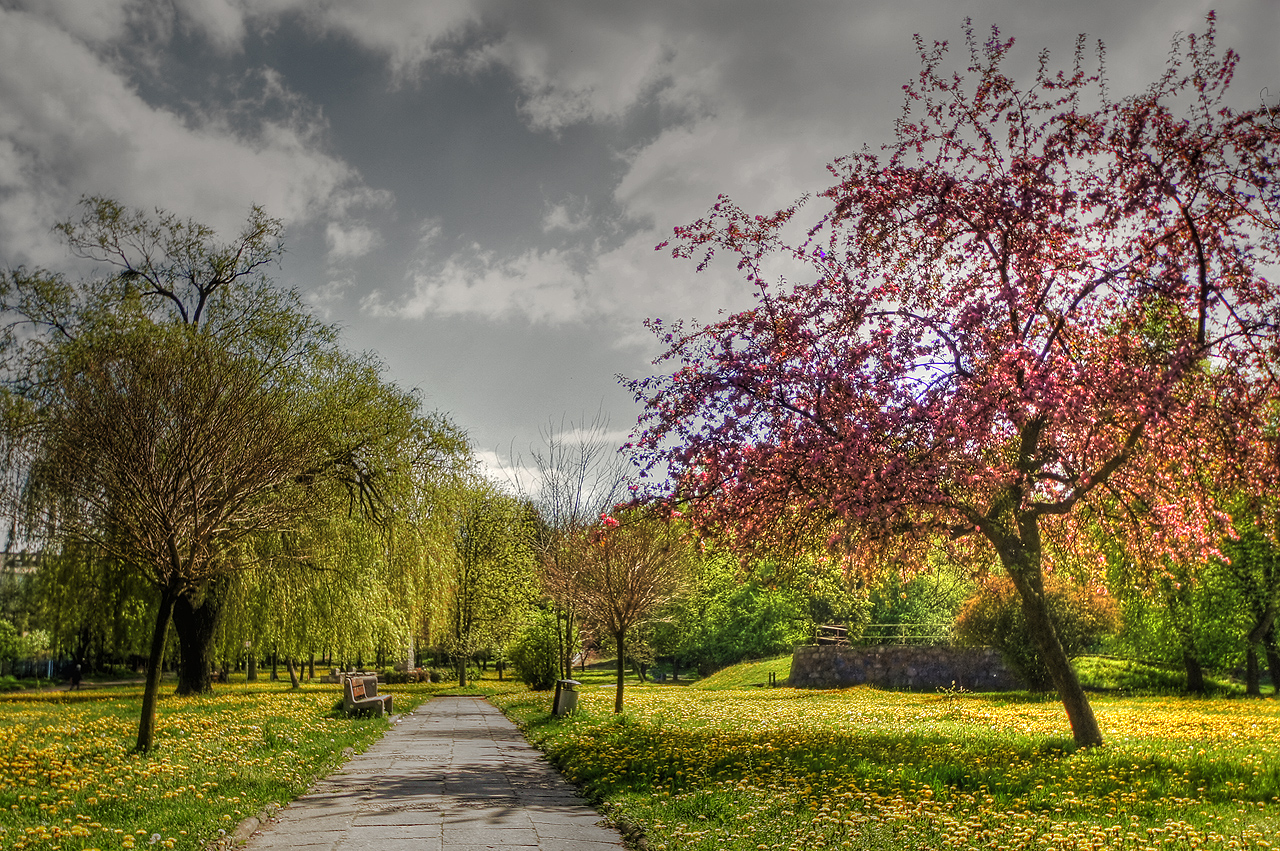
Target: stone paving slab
x,y
454,775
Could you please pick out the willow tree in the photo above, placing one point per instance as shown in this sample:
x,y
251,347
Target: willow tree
x,y
171,410
165,451
491,578
417,532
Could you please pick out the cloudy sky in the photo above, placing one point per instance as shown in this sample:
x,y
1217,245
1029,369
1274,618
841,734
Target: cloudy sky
x,y
474,188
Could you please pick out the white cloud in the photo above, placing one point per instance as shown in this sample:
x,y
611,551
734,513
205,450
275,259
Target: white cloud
x,y
93,21
540,285
511,475
221,21
408,32
327,300
348,243
578,62
71,126
569,216
564,285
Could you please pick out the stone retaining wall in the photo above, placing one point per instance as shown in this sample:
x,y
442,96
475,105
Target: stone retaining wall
x,y
901,667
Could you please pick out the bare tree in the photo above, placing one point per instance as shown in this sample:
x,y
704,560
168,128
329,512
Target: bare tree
x,y
579,476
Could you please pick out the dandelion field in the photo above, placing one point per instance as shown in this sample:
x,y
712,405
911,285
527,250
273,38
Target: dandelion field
x,y
69,778
866,769
742,768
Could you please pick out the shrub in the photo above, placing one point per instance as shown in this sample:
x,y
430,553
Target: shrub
x,y
993,616
393,677
915,609
534,654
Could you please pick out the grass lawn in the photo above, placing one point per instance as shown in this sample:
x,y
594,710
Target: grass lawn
x,y
70,780
756,768
722,763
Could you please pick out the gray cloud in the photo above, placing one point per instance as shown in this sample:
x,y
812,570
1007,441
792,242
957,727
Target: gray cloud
x,y
475,187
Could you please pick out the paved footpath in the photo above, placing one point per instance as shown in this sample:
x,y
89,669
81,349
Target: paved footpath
x,y
453,775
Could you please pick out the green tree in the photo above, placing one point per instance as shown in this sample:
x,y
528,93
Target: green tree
x,y
1252,565
165,451
171,411
492,581
1194,618
726,612
916,608
535,651
9,643
994,616
93,606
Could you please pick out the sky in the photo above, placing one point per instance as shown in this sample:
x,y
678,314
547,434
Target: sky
x,y
474,189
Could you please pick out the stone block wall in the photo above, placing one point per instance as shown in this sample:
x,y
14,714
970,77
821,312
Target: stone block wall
x,y
901,667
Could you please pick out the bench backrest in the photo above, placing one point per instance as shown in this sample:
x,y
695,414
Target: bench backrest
x,y
357,688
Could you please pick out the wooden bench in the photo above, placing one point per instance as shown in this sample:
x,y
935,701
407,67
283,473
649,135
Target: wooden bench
x,y
360,694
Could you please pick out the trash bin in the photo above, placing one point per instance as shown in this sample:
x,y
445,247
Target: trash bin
x,y
566,699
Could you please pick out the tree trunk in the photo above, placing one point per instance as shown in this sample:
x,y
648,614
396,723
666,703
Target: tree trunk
x,y
562,645
569,631
462,671
1178,600
565,641
150,693
252,675
275,666
1273,660
1195,674
1253,676
293,674
196,615
1021,560
620,637
311,667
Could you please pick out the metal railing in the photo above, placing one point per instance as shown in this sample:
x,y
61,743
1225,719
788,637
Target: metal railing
x,y
884,633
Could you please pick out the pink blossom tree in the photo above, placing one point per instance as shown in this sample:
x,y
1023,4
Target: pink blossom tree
x,y
1023,318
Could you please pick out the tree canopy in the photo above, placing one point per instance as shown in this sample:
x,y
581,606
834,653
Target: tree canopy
x,y
1030,309
171,411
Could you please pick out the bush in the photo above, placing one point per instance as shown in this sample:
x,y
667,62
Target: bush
x,y
993,616
534,655
916,609
393,677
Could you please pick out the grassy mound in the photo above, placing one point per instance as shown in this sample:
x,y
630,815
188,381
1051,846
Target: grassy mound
x,y
1125,675
748,674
